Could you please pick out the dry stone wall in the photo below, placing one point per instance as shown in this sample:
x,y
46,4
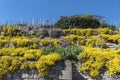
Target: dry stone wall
x,y
64,70
61,71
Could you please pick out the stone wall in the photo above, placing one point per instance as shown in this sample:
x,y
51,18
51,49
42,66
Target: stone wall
x,y
64,70
85,76
61,71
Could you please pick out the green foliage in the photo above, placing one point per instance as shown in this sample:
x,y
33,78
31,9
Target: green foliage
x,y
88,16
22,24
85,21
69,52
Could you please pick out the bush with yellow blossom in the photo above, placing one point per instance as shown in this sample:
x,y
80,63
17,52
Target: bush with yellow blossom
x,y
93,60
46,61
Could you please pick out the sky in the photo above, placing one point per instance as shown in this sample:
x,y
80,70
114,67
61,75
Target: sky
x,y
42,10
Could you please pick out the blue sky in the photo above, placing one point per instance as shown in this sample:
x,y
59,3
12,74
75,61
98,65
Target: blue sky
x,y
17,10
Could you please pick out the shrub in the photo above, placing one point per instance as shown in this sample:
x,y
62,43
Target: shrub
x,y
34,46
101,43
69,52
35,40
21,41
56,42
32,65
29,56
32,54
81,40
15,64
72,39
6,51
45,42
3,41
24,65
13,30
5,62
46,61
20,51
90,43
93,60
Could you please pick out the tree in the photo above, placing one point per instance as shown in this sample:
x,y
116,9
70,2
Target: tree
x,y
79,21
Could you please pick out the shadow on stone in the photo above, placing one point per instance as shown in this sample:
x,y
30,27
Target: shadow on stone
x,y
75,74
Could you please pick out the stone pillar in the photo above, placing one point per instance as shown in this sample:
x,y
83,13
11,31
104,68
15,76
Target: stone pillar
x,y
66,73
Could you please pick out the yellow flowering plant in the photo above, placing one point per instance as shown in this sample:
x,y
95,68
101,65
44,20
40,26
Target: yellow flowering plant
x,y
93,60
46,61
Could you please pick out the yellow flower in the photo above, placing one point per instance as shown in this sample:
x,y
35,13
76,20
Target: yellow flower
x,y
46,61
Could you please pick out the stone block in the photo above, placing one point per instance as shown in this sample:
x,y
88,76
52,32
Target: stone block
x,y
25,76
31,76
68,65
56,68
54,72
16,76
33,71
42,79
16,79
36,76
55,79
8,76
66,75
53,76
29,79
20,72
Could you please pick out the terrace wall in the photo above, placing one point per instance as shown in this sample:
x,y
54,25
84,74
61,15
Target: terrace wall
x,y
63,70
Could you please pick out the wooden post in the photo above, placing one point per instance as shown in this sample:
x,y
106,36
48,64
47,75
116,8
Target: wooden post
x,y
10,36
